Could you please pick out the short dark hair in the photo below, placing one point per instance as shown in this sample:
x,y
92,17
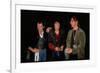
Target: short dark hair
x,y
56,22
75,18
39,22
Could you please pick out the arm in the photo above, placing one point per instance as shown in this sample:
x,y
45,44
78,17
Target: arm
x,y
68,48
81,46
63,41
50,44
68,45
33,49
68,41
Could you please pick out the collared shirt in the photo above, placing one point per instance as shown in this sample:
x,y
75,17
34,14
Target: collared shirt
x,y
41,34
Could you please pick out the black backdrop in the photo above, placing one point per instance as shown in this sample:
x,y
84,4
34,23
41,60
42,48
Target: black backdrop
x,y
29,19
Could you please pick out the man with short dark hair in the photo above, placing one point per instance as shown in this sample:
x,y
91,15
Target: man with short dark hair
x,y
40,44
75,43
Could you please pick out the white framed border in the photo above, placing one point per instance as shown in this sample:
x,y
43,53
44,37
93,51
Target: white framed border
x,y
17,66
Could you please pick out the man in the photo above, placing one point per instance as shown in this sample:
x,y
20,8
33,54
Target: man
x,y
40,44
75,43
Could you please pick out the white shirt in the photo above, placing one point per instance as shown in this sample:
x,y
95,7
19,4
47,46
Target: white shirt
x,y
41,34
36,58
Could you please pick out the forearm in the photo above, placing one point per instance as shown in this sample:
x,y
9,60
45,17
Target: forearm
x,y
51,46
30,49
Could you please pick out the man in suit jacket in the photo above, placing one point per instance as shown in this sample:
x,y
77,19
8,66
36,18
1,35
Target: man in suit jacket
x,y
39,44
75,43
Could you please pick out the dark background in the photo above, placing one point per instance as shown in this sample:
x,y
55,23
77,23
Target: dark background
x,y
29,20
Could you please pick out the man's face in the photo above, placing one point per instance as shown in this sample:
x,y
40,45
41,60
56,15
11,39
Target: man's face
x,y
39,26
73,23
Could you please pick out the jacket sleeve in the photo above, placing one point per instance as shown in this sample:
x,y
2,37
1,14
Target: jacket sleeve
x,y
50,44
81,46
68,41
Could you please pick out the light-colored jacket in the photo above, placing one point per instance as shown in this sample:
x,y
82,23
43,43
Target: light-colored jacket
x,y
80,39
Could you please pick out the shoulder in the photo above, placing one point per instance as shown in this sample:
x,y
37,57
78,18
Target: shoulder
x,y
51,32
70,31
81,30
45,33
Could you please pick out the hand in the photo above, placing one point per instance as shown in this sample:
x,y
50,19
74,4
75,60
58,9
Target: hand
x,y
57,49
61,48
68,50
35,50
30,48
48,29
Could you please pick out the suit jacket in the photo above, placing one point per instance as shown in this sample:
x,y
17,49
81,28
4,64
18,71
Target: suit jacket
x,y
34,43
80,41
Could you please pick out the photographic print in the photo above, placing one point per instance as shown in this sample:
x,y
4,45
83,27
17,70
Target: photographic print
x,y
47,37
54,36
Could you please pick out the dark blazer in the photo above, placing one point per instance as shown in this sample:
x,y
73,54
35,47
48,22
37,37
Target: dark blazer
x,y
34,43
36,38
